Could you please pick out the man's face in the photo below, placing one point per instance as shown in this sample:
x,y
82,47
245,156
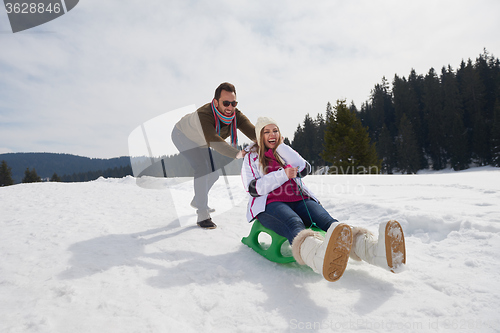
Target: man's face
x,y
226,96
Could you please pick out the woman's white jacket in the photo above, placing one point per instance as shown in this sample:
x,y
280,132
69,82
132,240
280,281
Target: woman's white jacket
x,y
258,185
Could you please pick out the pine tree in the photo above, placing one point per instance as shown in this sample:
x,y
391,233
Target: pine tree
x,y
308,139
55,178
366,115
471,92
416,83
480,140
433,113
382,109
406,104
329,110
298,142
407,147
483,116
347,144
319,140
387,150
31,176
456,138
495,135
5,175
484,67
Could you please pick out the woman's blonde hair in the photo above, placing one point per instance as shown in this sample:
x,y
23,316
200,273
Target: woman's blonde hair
x,y
261,150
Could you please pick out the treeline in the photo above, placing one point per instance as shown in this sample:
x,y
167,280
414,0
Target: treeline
x,y
116,172
31,175
46,164
177,165
451,119
425,121
52,164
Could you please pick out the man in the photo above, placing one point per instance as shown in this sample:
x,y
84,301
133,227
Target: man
x,y
208,128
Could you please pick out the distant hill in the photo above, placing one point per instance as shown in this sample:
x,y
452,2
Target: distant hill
x,y
46,164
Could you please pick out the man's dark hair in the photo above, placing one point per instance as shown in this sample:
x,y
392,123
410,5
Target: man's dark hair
x,y
224,86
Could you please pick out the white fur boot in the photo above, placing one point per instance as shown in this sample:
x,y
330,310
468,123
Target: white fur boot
x,y
326,256
388,251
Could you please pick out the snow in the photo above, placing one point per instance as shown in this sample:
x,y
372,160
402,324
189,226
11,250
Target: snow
x,y
109,255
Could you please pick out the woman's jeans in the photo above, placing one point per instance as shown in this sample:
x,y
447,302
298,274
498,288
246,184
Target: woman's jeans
x,y
289,218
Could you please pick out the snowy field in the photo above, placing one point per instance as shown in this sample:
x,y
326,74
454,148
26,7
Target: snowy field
x,y
111,256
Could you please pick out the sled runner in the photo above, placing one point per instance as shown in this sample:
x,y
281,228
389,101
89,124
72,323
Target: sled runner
x,y
273,252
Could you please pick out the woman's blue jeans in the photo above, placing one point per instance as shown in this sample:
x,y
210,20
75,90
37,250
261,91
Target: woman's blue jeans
x,y
289,218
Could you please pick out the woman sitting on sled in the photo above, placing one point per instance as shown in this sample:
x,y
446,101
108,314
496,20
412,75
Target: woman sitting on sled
x,y
271,174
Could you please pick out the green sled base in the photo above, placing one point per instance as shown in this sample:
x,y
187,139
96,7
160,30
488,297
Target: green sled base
x,y
272,252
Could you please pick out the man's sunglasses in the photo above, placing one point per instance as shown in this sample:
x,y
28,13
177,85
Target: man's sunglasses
x,y
227,103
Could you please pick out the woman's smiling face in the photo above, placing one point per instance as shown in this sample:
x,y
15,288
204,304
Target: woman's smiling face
x,y
271,136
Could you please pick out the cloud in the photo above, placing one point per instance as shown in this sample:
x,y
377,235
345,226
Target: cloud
x,y
5,150
81,83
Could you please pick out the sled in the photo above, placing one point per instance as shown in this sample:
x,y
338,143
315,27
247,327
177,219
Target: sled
x,y
271,252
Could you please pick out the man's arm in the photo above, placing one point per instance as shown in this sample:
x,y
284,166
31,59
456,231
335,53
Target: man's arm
x,y
245,126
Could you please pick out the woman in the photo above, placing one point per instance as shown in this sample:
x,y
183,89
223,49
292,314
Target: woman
x,y
271,174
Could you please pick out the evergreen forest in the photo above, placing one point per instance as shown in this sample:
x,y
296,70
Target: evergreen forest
x,y
60,167
449,119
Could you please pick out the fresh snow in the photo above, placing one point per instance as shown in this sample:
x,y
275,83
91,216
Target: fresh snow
x,y
112,256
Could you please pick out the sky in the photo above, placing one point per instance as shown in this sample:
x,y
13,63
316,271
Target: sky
x,y
82,83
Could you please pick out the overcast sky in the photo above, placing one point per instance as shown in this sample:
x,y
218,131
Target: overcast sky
x,y
82,83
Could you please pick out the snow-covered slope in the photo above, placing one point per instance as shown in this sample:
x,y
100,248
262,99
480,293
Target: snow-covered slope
x,y
111,256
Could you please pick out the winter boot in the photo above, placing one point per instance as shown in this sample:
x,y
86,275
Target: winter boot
x,y
204,220
327,256
207,224
388,251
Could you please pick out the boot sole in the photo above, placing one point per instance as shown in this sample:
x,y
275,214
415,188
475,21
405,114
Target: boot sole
x,y
395,249
337,253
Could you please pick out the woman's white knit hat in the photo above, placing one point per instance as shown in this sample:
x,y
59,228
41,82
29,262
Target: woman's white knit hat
x,y
261,123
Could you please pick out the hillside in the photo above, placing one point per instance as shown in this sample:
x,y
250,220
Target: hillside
x,y
46,164
111,256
